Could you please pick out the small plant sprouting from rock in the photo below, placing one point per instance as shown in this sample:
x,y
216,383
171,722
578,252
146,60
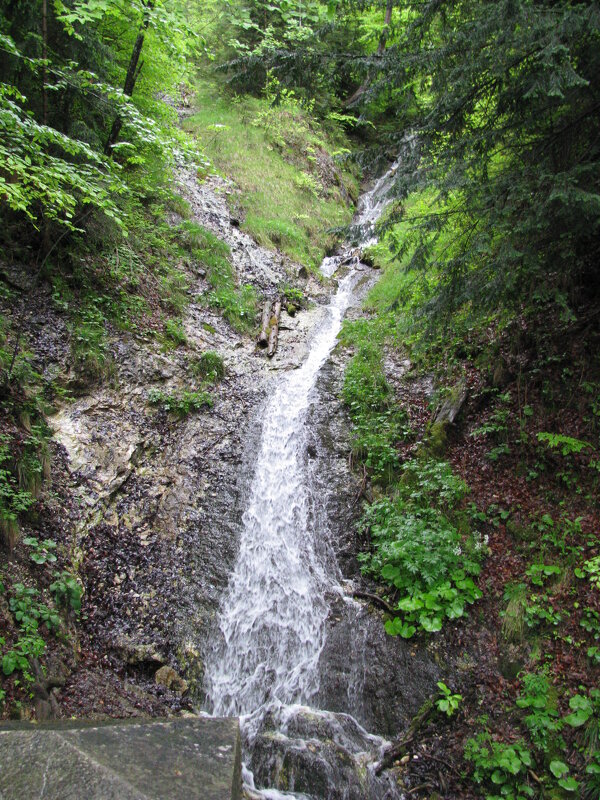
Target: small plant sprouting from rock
x,y
181,405
174,333
41,552
209,367
67,591
447,702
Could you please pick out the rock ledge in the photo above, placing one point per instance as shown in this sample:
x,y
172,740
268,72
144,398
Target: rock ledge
x,y
198,759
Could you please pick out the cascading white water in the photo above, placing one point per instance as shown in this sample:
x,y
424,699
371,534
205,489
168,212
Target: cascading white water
x,y
273,615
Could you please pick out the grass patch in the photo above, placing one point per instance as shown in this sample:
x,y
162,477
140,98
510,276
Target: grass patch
x,y
238,304
209,367
291,189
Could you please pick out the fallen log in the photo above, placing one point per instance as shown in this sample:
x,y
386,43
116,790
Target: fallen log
x,y
263,339
274,325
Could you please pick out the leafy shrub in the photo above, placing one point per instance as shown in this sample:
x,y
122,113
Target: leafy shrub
x,y
591,570
542,720
175,333
420,551
294,295
447,702
28,645
67,591
40,552
28,612
567,444
500,767
378,424
13,500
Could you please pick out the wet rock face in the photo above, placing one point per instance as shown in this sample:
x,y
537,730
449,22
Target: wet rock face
x,y
380,680
336,502
197,758
319,754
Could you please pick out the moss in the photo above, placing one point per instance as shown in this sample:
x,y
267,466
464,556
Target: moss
x,y
436,439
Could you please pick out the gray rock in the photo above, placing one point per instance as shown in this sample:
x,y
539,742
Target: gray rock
x,y
136,653
452,405
198,759
320,754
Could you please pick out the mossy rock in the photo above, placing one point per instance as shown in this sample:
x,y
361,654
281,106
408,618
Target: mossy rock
x,y
436,439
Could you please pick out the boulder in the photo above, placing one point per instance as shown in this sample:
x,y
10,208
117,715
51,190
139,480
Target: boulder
x,y
320,754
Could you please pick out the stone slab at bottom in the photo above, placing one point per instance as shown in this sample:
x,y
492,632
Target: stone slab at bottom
x,y
195,759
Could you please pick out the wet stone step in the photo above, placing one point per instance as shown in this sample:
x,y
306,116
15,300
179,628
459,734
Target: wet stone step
x,y
196,759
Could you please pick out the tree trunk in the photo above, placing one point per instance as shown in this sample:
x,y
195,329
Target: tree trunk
x,y
44,56
386,27
274,334
132,74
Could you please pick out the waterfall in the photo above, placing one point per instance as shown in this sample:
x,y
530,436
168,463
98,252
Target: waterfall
x,y
274,610
272,622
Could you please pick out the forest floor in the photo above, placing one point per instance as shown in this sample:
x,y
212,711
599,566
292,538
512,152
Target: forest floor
x,y
526,659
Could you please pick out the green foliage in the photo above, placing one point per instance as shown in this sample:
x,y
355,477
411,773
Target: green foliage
x,y
237,304
542,610
517,197
180,405
28,645
538,573
13,500
89,343
29,612
378,423
590,569
513,616
497,427
175,333
501,769
567,444
209,367
447,702
421,551
585,710
66,591
41,552
290,185
542,719
294,295
51,174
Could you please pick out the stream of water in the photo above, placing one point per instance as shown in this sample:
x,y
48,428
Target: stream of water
x,y
265,663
